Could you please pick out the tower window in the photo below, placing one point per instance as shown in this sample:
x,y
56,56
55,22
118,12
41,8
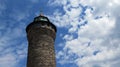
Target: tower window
x,y
41,19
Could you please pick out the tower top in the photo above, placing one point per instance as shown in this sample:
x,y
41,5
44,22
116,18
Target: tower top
x,y
41,20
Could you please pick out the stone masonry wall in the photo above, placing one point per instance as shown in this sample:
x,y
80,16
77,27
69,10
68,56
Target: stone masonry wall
x,y
41,47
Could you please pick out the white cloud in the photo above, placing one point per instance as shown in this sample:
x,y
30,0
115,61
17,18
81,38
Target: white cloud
x,y
74,3
5,60
102,59
12,35
68,37
98,34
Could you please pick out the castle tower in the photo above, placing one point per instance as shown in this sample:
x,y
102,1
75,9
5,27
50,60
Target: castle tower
x,y
41,34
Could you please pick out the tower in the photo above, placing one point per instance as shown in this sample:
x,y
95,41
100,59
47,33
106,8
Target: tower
x,y
41,34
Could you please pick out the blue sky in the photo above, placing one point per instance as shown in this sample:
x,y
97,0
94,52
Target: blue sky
x,y
88,31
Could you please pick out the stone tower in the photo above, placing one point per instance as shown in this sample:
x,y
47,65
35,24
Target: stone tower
x,y
41,34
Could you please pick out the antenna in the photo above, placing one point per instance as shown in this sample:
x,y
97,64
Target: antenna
x,y
41,12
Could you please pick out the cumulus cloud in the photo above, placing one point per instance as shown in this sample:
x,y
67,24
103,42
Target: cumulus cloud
x,y
97,25
5,61
12,47
13,44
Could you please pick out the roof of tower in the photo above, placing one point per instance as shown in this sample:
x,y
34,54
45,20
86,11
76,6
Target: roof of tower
x,y
42,19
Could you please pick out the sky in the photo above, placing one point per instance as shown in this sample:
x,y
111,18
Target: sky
x,y
88,31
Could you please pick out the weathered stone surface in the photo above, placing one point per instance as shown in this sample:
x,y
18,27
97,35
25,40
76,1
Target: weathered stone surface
x,y
41,47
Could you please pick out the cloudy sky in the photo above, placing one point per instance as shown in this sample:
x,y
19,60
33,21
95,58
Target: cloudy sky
x,y
88,31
